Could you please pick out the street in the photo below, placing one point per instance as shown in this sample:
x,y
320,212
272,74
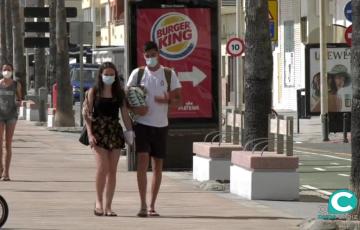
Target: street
x,y
323,171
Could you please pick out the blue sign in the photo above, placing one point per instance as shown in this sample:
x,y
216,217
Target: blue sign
x,y
348,11
272,29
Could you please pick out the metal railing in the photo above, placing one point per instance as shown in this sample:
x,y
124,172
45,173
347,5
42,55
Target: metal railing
x,y
280,134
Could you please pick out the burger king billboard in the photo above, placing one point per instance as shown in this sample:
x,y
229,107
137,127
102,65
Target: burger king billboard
x,y
183,36
176,35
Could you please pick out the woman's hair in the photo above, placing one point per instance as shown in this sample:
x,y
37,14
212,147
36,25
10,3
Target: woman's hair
x,y
8,64
117,91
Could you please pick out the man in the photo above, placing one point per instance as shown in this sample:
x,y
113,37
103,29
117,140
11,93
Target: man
x,y
162,89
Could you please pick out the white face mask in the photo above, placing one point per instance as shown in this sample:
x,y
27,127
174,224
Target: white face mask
x,y
108,79
151,62
7,74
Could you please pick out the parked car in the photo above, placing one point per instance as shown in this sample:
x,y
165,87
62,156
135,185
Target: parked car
x,y
89,76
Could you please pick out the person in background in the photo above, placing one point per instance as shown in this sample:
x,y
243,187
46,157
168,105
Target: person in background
x,y
10,99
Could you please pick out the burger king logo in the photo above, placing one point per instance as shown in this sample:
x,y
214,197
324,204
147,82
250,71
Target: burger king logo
x,y
175,34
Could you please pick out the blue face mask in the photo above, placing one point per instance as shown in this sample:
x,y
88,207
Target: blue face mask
x,y
151,62
108,79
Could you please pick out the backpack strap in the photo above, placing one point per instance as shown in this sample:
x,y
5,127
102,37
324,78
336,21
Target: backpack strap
x,y
140,75
168,73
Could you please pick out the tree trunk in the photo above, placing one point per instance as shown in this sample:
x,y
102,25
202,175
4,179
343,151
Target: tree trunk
x,y
52,57
39,59
64,115
3,34
258,71
8,34
19,58
355,113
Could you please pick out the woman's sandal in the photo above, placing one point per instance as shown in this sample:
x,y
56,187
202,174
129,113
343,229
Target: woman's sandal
x,y
98,212
5,178
153,213
111,214
143,213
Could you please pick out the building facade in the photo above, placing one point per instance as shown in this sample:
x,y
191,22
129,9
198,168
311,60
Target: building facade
x,y
298,27
109,18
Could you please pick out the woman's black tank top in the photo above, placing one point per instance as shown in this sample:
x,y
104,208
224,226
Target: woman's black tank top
x,y
107,107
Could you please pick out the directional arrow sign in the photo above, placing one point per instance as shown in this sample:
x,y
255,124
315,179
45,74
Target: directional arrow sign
x,y
196,76
348,11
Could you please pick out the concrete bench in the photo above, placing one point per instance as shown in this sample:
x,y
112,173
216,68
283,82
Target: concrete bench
x,y
22,110
212,161
51,117
268,177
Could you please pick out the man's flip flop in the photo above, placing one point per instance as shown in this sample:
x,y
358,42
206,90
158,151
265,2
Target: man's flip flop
x,y
153,213
142,213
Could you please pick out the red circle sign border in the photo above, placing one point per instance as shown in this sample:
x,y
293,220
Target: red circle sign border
x,y
347,39
228,46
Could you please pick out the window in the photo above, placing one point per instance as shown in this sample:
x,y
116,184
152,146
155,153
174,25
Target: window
x,y
87,14
89,75
289,36
103,20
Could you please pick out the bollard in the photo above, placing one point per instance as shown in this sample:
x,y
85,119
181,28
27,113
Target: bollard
x,y
325,126
345,118
42,104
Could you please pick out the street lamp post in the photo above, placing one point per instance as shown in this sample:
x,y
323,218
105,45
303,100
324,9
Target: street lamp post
x,y
323,69
238,81
93,19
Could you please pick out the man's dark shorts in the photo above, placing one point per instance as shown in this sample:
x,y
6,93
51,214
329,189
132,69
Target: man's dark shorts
x,y
151,140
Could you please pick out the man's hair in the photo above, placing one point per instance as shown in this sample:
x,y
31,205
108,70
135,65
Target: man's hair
x,y
150,45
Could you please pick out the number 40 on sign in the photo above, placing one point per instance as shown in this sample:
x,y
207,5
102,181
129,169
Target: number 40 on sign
x,y
235,47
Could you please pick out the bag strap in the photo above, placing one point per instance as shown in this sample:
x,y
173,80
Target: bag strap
x,y
140,75
168,73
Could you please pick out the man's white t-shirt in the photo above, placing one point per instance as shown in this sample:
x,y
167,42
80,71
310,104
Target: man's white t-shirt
x,y
156,85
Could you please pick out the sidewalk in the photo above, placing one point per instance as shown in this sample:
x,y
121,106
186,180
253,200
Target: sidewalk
x,y
53,187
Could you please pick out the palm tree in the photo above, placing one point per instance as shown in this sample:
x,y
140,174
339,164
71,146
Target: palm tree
x,y
3,33
8,31
64,115
19,58
258,71
39,59
52,57
355,113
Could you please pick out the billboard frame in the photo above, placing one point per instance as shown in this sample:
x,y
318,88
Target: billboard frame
x,y
131,6
335,118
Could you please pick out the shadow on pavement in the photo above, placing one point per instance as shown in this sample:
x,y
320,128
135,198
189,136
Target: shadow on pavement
x,y
311,198
221,217
30,228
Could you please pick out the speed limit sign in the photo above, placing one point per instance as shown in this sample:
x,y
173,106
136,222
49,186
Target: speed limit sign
x,y
235,47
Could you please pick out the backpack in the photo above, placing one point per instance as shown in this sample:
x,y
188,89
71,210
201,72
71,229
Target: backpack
x,y
167,72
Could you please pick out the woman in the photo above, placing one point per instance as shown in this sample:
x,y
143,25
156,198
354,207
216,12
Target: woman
x,y
10,96
105,133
